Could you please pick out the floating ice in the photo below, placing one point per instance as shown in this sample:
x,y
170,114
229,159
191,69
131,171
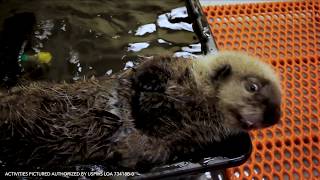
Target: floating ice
x,y
144,29
109,72
163,22
192,48
63,28
180,12
46,28
184,54
115,37
161,41
135,47
128,65
74,57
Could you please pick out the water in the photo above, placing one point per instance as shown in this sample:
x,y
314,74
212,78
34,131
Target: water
x,y
101,37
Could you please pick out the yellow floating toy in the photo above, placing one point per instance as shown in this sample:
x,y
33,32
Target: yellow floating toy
x,y
41,57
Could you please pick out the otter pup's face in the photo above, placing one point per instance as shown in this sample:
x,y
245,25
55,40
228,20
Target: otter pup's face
x,y
248,93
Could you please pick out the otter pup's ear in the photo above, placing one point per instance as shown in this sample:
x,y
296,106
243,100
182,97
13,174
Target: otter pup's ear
x,y
222,72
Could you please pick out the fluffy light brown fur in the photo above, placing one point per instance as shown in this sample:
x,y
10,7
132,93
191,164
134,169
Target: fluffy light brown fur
x,y
242,63
233,93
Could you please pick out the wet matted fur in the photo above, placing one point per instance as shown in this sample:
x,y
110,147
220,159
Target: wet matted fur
x,y
147,116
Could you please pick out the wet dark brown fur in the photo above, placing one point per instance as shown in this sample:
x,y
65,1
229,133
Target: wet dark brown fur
x,y
143,117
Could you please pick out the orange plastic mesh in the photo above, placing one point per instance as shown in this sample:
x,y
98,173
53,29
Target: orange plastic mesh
x,y
287,35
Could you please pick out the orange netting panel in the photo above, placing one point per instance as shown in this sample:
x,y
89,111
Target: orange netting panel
x,y
287,34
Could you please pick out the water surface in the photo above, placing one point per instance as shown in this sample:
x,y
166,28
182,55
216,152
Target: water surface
x,y
100,37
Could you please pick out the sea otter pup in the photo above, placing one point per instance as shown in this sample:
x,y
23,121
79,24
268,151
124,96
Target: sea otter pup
x,y
143,117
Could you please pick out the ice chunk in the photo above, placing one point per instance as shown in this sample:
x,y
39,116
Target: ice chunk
x,y
144,29
135,47
184,54
161,41
46,28
109,72
74,57
128,65
180,12
163,22
192,48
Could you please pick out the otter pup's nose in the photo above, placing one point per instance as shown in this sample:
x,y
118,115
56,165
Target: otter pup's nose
x,y
271,115
272,101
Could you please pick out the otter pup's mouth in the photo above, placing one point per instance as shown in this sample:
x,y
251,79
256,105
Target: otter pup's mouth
x,y
250,121
257,120
246,121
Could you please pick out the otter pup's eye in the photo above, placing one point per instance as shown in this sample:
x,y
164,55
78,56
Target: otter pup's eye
x,y
253,87
252,84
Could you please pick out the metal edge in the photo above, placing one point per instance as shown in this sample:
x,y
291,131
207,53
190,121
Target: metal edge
x,y
201,27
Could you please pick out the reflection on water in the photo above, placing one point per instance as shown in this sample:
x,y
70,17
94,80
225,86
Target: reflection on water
x,y
101,37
